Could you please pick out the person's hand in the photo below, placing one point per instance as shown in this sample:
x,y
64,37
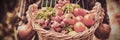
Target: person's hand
x,y
25,32
103,31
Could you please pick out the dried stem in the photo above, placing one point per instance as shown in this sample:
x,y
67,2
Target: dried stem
x,y
50,3
38,2
77,1
15,33
55,2
83,3
46,3
42,3
21,6
22,9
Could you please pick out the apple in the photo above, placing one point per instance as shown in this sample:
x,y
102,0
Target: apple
x,y
59,12
62,23
102,14
79,11
69,18
53,18
55,24
89,20
46,21
79,18
45,25
79,27
58,29
58,18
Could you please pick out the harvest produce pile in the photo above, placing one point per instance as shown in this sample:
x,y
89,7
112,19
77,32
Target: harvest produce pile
x,y
65,17
54,20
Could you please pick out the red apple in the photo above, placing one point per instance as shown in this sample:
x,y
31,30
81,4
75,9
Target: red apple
x,y
59,18
79,11
45,25
55,24
59,12
89,19
69,18
58,29
79,18
62,23
79,27
53,18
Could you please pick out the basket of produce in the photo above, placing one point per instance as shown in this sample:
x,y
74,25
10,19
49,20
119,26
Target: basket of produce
x,y
64,20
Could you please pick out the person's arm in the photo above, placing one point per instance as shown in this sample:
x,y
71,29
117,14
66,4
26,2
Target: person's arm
x,y
25,32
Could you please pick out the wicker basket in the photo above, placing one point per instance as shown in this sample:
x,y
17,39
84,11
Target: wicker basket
x,y
85,35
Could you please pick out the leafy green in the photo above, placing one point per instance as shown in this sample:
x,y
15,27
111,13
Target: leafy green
x,y
45,13
69,7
